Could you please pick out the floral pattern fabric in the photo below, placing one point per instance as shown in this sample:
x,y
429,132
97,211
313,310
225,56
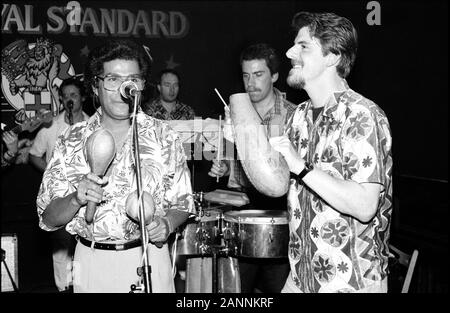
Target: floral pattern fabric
x,y
164,175
156,109
329,251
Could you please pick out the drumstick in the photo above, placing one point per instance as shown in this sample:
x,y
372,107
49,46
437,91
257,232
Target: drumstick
x,y
218,93
219,146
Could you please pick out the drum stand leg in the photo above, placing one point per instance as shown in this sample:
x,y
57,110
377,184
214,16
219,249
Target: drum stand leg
x,y
215,278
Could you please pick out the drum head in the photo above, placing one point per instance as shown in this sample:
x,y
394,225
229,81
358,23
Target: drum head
x,y
257,217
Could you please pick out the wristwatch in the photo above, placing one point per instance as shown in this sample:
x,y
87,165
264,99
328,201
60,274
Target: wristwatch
x,y
308,168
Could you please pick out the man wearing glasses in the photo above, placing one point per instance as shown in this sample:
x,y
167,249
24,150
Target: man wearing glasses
x,y
108,252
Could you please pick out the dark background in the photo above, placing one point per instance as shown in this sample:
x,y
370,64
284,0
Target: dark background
x,y
402,65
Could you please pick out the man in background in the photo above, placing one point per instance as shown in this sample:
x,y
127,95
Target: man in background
x,y
72,96
167,106
260,65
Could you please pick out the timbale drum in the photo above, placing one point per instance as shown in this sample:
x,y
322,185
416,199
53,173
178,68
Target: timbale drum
x,y
256,233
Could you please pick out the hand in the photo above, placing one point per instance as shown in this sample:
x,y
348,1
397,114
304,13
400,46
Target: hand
x,y
24,151
20,116
13,88
219,168
226,110
227,126
25,142
158,229
11,140
283,145
89,189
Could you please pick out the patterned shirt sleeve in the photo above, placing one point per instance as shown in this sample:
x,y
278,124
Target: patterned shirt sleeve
x,y
177,181
190,113
365,143
54,183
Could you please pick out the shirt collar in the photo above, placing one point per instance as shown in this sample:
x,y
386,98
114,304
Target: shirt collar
x,y
278,100
331,106
177,105
94,122
276,109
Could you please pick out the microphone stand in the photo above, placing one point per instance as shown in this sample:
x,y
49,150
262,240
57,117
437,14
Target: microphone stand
x,y
146,269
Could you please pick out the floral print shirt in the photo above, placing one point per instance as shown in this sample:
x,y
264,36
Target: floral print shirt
x,y
330,251
156,109
164,175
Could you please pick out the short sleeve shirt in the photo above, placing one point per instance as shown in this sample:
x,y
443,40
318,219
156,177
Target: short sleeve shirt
x,y
164,175
181,112
45,140
330,251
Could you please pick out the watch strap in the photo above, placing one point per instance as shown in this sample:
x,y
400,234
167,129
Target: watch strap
x,y
308,168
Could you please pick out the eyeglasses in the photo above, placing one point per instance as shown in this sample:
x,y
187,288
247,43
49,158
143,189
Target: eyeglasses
x,y
113,82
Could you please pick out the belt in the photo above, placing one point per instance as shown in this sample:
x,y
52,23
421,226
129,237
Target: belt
x,y
110,246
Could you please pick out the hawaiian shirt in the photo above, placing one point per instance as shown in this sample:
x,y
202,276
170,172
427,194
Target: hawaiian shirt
x,y
330,251
157,110
164,175
278,115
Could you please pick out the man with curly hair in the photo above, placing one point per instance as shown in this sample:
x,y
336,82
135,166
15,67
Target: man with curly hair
x,y
109,250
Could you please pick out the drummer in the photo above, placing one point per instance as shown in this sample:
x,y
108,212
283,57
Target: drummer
x,y
259,65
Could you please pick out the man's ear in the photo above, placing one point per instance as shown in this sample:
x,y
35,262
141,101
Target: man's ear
x,y
333,59
159,88
274,78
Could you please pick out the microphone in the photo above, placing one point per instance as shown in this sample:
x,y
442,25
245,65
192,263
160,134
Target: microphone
x,y
128,89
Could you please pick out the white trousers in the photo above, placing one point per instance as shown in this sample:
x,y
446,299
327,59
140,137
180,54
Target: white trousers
x,y
109,271
62,255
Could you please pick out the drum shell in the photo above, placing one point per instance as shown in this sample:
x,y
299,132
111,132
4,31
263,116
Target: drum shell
x,y
199,275
198,236
261,237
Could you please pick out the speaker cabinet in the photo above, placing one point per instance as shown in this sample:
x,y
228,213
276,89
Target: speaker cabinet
x,y
9,256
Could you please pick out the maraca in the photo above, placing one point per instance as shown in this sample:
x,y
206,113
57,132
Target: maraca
x,y
100,150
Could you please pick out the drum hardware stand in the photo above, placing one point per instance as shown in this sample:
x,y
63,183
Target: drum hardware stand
x,y
145,270
217,251
221,250
198,200
192,165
